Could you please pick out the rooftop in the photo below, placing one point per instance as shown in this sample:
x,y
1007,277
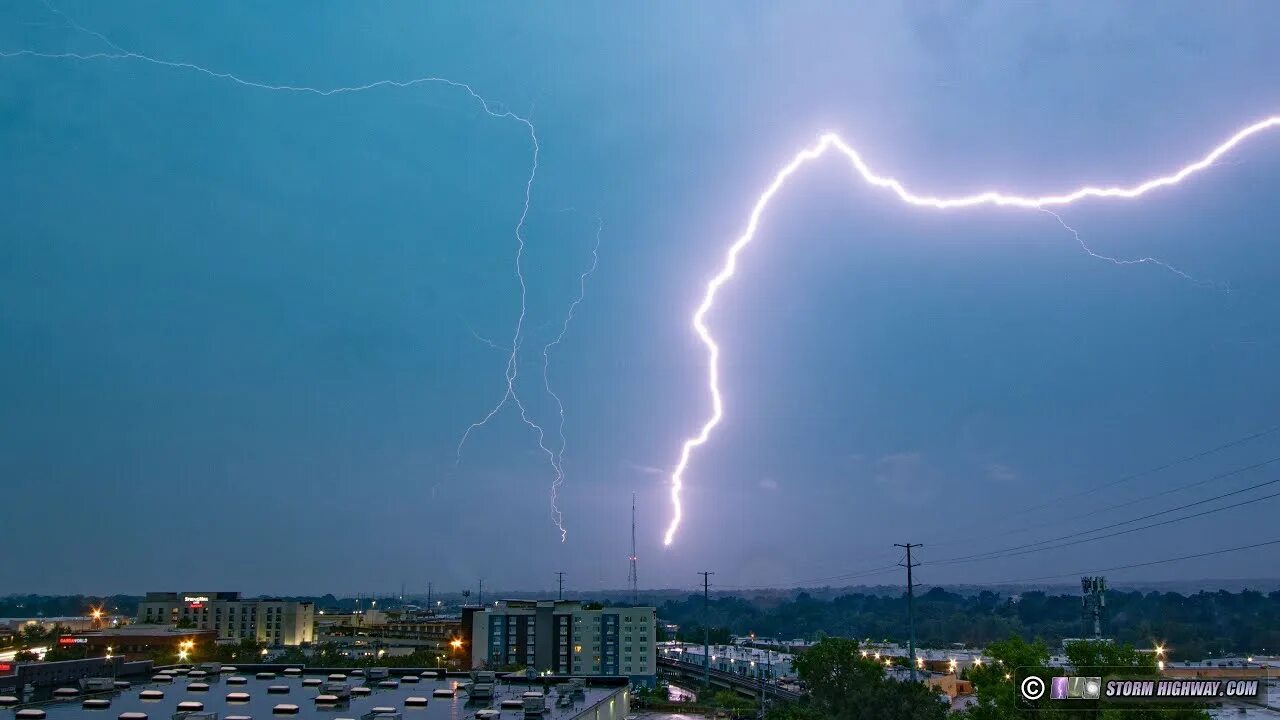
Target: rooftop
x,y
302,691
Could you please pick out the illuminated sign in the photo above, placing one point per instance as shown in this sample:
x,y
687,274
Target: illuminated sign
x,y
68,640
196,599
6,667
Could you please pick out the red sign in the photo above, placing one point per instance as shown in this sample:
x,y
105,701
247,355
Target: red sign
x,y
6,667
67,640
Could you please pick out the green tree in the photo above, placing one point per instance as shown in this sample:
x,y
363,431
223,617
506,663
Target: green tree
x,y
843,685
246,650
995,683
59,653
731,701
1099,659
185,624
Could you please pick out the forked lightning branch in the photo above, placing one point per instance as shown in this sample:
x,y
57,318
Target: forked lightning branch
x,y
830,142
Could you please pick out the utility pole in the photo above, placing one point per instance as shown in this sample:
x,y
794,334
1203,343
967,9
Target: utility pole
x,y
430,606
634,578
911,616
560,580
706,628
480,599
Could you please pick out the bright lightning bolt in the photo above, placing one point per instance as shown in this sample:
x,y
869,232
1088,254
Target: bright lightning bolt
x,y
490,108
831,141
556,517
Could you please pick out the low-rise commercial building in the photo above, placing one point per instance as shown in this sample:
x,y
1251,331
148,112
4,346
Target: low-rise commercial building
x,y
266,620
565,637
141,641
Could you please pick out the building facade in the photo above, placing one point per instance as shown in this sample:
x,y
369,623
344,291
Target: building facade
x,y
565,638
141,641
272,621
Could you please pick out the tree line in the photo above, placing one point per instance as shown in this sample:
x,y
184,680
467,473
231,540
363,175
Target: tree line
x,y
1194,626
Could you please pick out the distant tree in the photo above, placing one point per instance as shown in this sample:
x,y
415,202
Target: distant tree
x,y
246,650
25,656
185,624
59,653
843,685
995,682
1095,659
731,701
292,656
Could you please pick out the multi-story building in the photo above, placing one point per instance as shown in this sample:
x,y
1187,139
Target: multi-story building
x,y
565,638
267,620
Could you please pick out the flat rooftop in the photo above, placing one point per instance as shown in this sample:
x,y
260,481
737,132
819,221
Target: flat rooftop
x,y
261,703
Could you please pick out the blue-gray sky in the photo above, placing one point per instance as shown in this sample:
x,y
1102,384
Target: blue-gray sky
x,y
237,327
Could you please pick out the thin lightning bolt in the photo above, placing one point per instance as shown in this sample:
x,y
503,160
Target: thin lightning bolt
x,y
490,108
831,141
556,517
1120,261
489,342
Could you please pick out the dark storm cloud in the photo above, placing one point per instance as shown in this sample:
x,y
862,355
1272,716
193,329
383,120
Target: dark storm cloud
x,y
246,320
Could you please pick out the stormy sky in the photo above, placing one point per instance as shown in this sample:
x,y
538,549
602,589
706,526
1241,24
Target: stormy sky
x,y
242,331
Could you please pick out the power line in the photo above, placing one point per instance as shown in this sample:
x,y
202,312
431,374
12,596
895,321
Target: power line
x,y
1159,468
1141,564
886,569
1027,548
1135,501
1149,471
1170,521
854,574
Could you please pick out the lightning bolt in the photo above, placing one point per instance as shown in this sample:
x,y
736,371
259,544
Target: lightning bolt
x,y
556,517
1120,261
490,108
832,142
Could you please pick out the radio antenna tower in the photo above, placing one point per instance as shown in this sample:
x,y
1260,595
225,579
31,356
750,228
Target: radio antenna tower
x,y
1095,599
632,577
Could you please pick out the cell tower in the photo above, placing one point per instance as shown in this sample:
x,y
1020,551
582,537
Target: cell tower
x,y
632,577
1094,600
